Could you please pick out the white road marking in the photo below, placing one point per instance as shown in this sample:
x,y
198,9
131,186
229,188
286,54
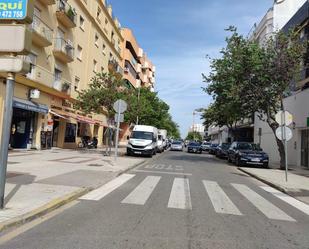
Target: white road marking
x,y
220,201
180,195
288,199
142,192
106,189
267,208
161,172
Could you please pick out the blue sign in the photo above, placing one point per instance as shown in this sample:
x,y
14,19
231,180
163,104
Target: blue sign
x,y
13,9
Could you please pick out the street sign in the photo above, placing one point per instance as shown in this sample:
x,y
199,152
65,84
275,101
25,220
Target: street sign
x,y
119,118
14,65
15,38
284,116
120,106
16,10
288,133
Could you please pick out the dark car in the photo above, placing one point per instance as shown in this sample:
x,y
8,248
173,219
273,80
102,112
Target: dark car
x,y
222,150
213,148
243,153
205,146
194,147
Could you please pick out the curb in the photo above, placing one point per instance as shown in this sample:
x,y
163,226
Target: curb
x,y
47,208
266,182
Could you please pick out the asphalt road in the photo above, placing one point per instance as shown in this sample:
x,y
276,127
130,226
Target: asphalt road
x,y
175,201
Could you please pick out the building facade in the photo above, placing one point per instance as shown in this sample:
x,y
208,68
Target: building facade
x,y
298,101
72,40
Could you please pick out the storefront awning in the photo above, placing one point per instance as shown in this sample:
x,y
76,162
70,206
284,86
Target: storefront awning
x,y
29,105
60,115
84,119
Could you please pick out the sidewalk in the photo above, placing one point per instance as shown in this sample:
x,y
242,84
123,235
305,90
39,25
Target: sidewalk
x,y
297,185
40,181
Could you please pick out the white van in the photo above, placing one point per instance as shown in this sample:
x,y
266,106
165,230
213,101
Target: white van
x,y
162,136
143,141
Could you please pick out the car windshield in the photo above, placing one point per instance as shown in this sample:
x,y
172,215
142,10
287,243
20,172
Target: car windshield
x,y
194,144
177,143
244,146
142,135
225,146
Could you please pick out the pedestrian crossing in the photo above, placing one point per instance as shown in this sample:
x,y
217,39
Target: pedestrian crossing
x,y
180,196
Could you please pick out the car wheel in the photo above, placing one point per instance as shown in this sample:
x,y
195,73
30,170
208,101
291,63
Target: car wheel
x,y
266,166
229,159
237,161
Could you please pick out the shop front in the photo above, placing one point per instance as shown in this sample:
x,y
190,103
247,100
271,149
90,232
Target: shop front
x,y
26,123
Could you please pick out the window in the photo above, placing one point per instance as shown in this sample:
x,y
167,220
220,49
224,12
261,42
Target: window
x,y
70,133
31,58
98,13
96,40
95,66
103,48
82,23
79,52
76,83
106,21
58,74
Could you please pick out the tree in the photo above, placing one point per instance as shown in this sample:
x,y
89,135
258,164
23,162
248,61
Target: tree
x,y
104,89
250,78
193,135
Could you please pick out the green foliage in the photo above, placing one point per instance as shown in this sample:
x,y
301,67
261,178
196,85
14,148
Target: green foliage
x,y
105,89
250,78
194,136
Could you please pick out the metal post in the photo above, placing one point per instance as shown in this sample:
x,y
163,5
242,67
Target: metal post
x,y
285,144
117,132
193,128
5,137
138,97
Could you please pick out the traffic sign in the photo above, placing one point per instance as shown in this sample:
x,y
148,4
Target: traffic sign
x,y
16,10
284,116
120,106
287,133
119,118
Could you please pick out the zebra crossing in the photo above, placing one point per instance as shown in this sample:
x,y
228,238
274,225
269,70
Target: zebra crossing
x,y
180,197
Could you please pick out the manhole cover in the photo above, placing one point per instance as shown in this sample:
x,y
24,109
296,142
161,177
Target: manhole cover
x,y
95,165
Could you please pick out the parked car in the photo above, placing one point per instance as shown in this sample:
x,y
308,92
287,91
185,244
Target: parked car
x,y
194,147
243,153
206,146
222,150
212,149
177,146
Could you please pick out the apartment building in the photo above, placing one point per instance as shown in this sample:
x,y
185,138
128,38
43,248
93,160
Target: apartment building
x,y
138,69
297,102
72,40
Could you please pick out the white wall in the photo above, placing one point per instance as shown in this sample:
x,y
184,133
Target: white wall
x,y
298,106
284,10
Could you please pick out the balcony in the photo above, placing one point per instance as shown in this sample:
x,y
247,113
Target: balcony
x,y
146,65
42,35
113,66
66,14
138,68
41,75
47,2
63,50
62,86
140,53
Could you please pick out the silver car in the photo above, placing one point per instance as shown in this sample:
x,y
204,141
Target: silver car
x,y
177,146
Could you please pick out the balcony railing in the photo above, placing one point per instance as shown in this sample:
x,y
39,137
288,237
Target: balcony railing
x,y
62,86
64,50
42,35
66,14
115,67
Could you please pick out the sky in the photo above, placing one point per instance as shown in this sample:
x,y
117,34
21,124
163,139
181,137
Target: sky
x,y
177,35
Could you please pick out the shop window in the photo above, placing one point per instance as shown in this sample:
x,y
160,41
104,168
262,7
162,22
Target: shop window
x,y
70,133
81,129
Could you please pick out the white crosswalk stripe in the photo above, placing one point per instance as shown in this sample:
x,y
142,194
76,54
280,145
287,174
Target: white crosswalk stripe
x,y
267,208
106,189
142,192
288,199
180,197
220,201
